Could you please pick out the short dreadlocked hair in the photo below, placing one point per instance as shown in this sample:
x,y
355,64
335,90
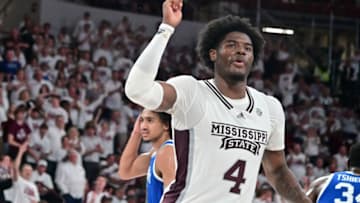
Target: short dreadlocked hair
x,y
354,156
216,30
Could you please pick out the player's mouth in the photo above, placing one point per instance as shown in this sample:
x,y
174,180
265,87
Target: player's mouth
x,y
239,63
145,133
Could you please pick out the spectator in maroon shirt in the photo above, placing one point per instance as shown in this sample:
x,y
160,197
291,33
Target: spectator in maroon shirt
x,y
18,131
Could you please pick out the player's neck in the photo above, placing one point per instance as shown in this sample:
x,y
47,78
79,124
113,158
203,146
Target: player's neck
x,y
158,142
233,90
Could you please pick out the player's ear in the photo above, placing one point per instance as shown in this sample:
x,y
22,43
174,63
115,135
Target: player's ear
x,y
166,127
212,54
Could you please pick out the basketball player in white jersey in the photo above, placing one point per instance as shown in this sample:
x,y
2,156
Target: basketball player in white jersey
x,y
224,129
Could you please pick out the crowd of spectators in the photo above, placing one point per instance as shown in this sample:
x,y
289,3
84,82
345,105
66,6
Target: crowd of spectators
x,y
61,94
344,8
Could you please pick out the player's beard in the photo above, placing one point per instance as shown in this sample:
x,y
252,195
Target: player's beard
x,y
237,77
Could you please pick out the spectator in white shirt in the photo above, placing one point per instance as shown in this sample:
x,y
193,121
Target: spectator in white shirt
x,y
341,158
107,139
70,179
54,109
312,144
118,122
103,70
63,38
4,102
55,135
84,21
23,190
39,146
104,51
40,175
35,119
109,169
319,169
96,194
46,58
119,194
114,88
265,194
65,147
37,82
124,63
86,63
87,109
74,139
61,55
93,150
296,160
84,38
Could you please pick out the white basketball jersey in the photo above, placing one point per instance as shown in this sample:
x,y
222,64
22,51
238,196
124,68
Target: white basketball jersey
x,y
219,144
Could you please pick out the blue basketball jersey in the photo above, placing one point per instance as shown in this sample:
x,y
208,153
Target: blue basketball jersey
x,y
154,184
341,187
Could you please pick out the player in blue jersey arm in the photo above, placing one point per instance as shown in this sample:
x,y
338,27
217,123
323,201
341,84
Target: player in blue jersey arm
x,y
158,164
339,187
224,129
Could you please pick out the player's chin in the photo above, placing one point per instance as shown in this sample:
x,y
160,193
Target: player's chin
x,y
146,138
237,76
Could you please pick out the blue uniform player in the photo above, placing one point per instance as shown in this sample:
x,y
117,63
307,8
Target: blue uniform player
x,y
339,187
159,164
154,183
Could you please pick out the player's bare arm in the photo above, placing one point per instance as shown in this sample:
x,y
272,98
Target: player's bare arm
x,y
131,163
315,188
165,164
281,177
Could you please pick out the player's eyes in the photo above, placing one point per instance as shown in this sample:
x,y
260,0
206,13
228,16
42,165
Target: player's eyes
x,y
230,45
248,48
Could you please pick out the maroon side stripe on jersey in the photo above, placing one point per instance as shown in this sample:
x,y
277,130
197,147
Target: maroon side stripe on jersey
x,y
181,140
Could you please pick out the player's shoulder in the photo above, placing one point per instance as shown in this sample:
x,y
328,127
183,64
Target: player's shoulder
x,y
164,154
166,150
271,101
317,186
185,79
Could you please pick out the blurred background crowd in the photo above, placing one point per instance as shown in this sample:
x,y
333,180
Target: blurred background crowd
x,y
62,92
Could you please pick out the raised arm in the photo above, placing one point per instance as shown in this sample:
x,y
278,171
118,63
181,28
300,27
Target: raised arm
x,y
281,178
140,86
22,150
132,164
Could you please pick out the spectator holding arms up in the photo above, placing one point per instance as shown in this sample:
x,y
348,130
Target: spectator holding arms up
x,y
23,191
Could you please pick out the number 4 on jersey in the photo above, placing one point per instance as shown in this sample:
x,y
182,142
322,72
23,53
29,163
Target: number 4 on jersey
x,y
239,178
